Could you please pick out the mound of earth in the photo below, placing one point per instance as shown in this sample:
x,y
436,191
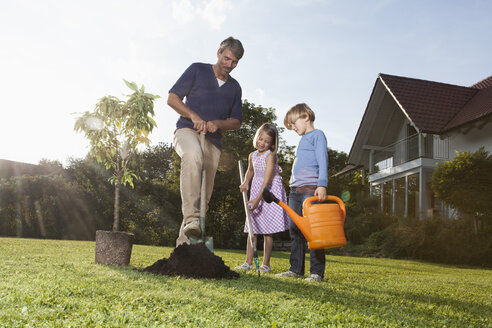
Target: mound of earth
x,y
193,261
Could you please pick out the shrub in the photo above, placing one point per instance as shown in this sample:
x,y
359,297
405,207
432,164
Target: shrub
x,y
358,229
363,219
374,242
464,184
438,240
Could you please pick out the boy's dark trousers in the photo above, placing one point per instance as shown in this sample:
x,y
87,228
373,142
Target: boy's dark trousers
x,y
298,250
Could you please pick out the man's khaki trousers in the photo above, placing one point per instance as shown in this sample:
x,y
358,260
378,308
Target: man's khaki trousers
x,y
187,145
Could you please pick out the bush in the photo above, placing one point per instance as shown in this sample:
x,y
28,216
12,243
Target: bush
x,y
45,206
358,229
438,240
464,184
363,219
374,242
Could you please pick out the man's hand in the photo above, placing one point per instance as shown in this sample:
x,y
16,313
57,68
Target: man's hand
x,y
212,127
199,124
177,104
225,125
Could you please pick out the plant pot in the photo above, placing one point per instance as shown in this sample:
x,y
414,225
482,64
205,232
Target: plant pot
x,y
113,247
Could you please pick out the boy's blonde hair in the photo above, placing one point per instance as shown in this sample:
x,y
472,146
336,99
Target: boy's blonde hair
x,y
298,111
270,130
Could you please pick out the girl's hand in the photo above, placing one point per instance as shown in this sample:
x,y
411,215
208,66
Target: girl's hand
x,y
244,187
253,204
321,193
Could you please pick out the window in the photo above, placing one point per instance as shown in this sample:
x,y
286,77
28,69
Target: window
x,y
400,197
413,195
388,197
376,191
412,143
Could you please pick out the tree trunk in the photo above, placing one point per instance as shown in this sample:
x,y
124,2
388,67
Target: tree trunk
x,y
116,218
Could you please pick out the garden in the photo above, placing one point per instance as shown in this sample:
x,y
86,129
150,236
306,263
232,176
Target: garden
x,y
393,271
55,283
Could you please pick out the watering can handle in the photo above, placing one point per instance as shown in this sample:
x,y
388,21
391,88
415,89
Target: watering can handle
x,y
307,203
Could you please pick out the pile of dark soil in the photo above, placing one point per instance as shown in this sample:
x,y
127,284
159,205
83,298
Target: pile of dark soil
x,y
193,261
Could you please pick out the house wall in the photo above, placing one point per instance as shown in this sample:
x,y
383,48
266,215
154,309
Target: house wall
x,y
391,180
470,138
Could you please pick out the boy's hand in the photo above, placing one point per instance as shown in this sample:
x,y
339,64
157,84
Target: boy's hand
x,y
321,193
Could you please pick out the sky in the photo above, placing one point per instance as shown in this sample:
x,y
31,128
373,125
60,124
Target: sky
x,y
58,58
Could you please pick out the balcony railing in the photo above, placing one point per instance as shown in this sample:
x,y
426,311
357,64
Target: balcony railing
x,y
406,150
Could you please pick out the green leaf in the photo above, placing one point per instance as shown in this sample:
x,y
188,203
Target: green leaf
x,y
131,85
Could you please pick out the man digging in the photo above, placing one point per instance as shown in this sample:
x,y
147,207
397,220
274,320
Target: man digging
x,y
213,104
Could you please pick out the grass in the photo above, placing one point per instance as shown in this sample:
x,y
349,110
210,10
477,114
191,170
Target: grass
x,y
52,283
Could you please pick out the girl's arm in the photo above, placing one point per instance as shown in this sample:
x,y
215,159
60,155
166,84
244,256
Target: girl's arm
x,y
269,172
248,175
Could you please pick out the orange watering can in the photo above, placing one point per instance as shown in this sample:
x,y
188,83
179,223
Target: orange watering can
x,y
321,224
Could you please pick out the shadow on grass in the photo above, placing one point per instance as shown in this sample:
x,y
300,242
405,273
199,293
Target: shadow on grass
x,y
392,306
374,262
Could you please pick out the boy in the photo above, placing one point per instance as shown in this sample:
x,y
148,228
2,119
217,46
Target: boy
x,y
309,177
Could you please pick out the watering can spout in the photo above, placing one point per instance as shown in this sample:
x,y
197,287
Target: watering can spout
x,y
269,197
321,224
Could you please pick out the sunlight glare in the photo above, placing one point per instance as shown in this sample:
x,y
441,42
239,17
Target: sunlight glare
x,y
94,123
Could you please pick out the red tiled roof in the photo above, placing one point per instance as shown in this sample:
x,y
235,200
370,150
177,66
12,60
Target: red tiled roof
x,y
437,107
478,107
485,83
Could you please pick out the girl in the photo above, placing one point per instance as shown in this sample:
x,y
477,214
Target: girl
x,y
266,219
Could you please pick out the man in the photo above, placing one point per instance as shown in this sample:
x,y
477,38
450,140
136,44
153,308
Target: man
x,y
213,104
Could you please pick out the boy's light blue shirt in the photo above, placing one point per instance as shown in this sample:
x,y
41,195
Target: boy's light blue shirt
x,y
311,163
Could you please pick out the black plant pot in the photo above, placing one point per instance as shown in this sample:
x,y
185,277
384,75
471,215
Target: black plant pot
x,y
113,247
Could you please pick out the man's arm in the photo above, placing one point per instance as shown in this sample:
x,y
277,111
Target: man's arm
x,y
224,125
179,106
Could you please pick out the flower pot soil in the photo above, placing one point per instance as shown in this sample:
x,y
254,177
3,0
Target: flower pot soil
x,y
192,261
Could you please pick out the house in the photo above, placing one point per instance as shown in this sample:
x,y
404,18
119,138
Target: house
x,y
411,125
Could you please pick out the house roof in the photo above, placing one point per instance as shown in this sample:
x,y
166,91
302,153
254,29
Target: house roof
x,y
485,83
479,106
431,107
435,107
347,169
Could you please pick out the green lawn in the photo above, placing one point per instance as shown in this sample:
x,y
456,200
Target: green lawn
x,y
50,283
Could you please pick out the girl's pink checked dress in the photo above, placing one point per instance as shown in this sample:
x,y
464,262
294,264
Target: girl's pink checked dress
x,y
267,218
